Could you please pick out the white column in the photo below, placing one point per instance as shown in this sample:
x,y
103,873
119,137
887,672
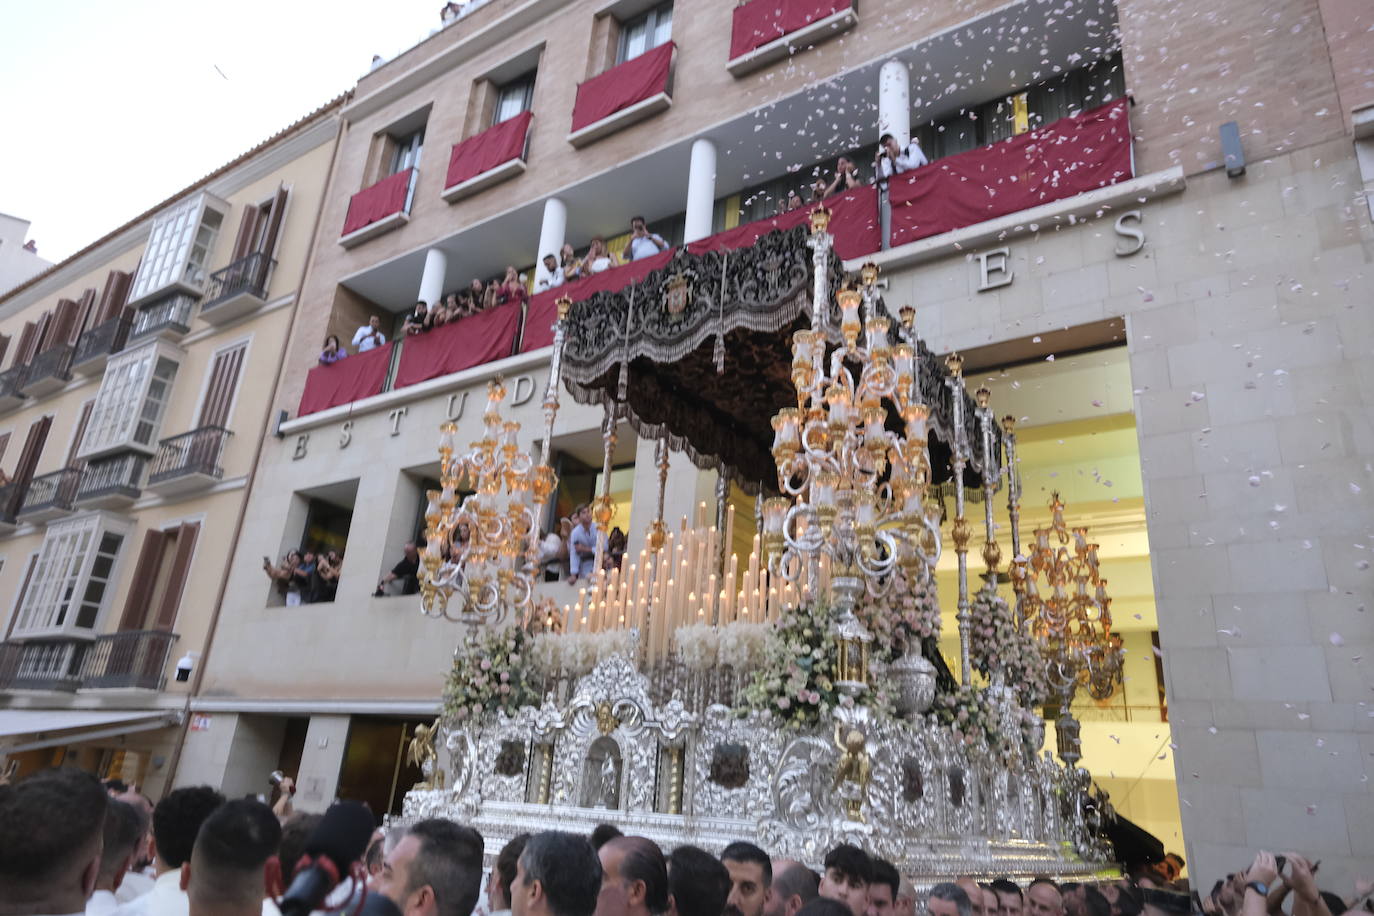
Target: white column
x,y
894,105
701,190
551,236
432,280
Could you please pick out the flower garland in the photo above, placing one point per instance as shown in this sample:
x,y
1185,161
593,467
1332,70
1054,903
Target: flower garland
x,y
972,717
902,618
997,646
491,672
796,680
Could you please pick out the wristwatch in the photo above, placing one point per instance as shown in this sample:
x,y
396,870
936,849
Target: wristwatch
x,y
1258,887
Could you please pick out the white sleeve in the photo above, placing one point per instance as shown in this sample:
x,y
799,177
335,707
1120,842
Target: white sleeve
x,y
359,334
913,157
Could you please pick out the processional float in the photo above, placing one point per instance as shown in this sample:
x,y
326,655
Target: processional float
x,y
795,697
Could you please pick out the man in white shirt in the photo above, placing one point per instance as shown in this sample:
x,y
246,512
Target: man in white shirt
x,y
503,875
369,335
553,274
124,828
233,867
642,243
51,835
176,821
894,160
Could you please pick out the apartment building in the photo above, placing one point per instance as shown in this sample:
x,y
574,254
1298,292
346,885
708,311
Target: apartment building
x,y
135,393
1179,330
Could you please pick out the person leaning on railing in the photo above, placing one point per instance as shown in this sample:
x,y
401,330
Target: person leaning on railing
x,y
333,351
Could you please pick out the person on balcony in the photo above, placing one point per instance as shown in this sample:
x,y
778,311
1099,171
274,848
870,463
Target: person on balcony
x,y
418,321
582,545
333,351
491,298
569,264
512,289
554,274
476,293
643,243
598,258
369,335
404,578
328,569
846,176
894,160
283,574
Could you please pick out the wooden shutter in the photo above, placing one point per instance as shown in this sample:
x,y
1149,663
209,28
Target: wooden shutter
x,y
113,296
23,590
275,215
40,340
219,392
176,581
24,352
76,440
84,316
144,582
248,229
28,460
63,320
4,444
4,346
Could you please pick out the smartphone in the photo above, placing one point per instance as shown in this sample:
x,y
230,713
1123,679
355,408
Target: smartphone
x,y
1280,862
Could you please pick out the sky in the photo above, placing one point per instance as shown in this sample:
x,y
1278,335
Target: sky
x,y
123,104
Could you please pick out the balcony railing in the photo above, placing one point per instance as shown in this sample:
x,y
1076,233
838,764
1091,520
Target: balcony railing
x,y
41,665
193,454
134,658
111,481
236,289
101,342
51,494
6,496
169,317
11,385
49,370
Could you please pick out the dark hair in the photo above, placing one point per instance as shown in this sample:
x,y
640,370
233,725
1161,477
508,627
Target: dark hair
x,y
233,844
644,861
125,825
850,861
1094,904
1007,886
1044,880
824,906
294,834
700,885
177,819
884,138
115,785
566,865
602,833
740,851
884,872
333,337
50,825
1334,903
507,860
449,861
640,218
1169,901
948,890
796,880
1181,862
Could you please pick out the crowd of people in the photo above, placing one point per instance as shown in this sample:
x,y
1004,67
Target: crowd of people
x,y
306,576
69,845
569,552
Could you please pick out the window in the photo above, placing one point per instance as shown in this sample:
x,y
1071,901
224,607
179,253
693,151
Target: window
x,y
155,591
407,153
221,385
514,97
71,577
645,32
179,247
132,398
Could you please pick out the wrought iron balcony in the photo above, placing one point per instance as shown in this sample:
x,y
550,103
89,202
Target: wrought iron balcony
x,y
133,658
98,344
41,665
7,516
49,371
237,289
189,461
112,482
168,317
11,383
50,496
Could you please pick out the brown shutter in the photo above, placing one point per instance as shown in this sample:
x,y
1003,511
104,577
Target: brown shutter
x,y
28,460
248,226
113,296
63,320
76,440
4,346
4,444
144,582
219,393
23,590
274,220
84,316
176,581
24,352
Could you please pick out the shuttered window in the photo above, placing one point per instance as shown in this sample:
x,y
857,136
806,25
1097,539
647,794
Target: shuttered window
x,y
159,580
28,461
113,297
219,390
23,590
75,448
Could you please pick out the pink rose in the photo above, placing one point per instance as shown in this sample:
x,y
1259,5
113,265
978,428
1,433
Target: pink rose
x,y
485,665
784,703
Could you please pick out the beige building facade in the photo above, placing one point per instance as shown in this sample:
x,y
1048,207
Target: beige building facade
x,y
136,390
1187,352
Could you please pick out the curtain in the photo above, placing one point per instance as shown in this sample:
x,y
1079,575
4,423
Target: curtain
x,y
384,198
620,87
485,151
359,376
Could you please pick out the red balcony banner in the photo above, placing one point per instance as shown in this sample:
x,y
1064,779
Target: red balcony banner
x,y
359,376
758,22
483,152
1071,156
472,341
620,87
853,222
384,198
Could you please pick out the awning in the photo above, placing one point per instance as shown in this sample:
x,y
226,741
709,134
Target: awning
x,y
29,729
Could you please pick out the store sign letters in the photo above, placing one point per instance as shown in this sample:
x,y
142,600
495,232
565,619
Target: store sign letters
x,y
994,266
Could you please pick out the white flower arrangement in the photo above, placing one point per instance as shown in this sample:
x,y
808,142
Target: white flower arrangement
x,y
576,654
742,645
